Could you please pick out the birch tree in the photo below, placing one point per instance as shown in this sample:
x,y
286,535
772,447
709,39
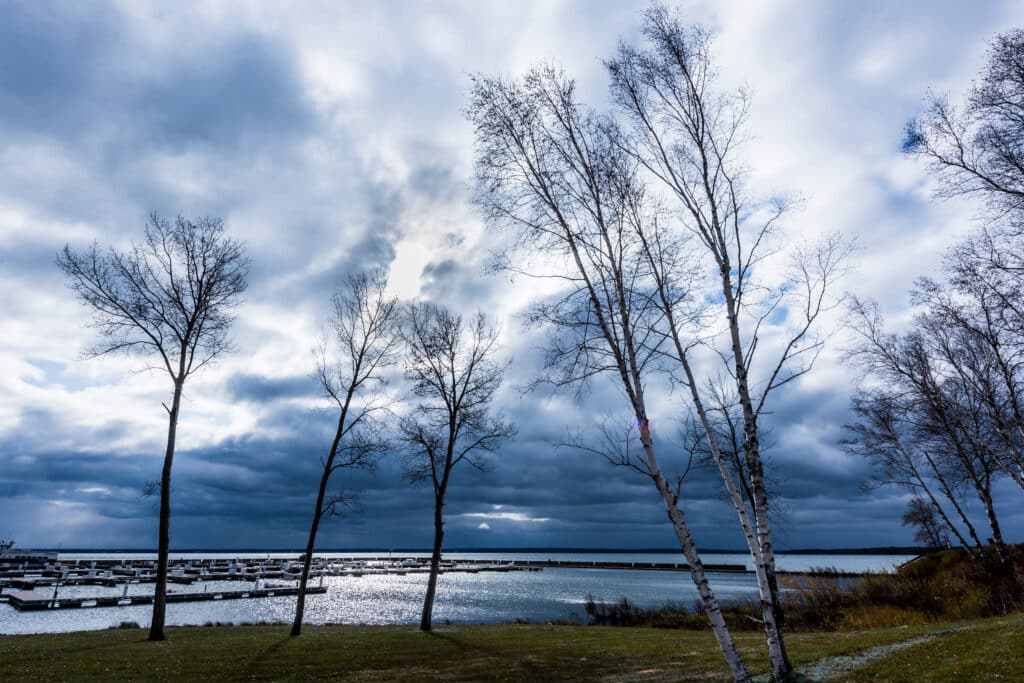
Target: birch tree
x,y
885,435
686,135
362,342
976,149
927,376
169,298
552,178
454,371
977,337
931,532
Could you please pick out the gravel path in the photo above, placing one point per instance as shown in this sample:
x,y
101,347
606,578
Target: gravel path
x,y
831,668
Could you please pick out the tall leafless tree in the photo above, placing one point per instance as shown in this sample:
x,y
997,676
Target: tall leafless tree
x,y
978,148
362,342
553,179
687,136
455,374
885,435
978,337
169,297
921,417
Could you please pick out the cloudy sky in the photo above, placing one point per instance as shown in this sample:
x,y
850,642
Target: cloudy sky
x,y
332,137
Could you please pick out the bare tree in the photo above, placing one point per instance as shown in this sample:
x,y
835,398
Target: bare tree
x,y
920,404
363,342
978,149
551,176
686,136
931,530
885,435
452,367
978,335
169,296
963,361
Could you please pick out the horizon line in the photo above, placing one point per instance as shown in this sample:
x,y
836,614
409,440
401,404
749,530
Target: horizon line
x,y
497,549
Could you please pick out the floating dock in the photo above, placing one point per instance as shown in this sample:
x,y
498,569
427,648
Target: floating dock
x,y
31,576
31,600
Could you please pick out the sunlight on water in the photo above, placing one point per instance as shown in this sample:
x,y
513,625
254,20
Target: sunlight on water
x,y
486,597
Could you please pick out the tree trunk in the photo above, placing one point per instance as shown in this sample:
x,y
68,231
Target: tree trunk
x,y
947,521
951,497
771,606
300,603
767,584
993,521
156,627
764,561
697,573
318,513
435,565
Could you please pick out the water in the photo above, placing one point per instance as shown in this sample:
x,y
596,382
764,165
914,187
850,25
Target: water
x,y
487,597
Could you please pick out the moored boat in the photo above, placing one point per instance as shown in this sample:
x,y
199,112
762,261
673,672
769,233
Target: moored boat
x,y
8,553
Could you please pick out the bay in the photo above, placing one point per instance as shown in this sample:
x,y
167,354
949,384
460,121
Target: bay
x,y
555,594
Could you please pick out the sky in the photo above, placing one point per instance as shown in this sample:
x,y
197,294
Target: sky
x,y
331,137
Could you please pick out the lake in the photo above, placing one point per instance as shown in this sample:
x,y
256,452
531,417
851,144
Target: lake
x,y
552,594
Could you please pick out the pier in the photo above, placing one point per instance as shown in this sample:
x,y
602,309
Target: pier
x,y
36,584
31,600
116,573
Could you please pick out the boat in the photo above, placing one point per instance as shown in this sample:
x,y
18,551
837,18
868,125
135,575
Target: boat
x,y
8,553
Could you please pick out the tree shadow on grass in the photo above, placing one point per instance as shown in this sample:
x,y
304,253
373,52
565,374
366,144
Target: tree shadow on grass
x,y
258,660
535,668
99,645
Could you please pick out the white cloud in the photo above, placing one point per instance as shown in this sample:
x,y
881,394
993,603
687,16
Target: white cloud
x,y
506,516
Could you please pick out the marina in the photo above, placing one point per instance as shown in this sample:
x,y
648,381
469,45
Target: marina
x,y
28,575
32,600
365,587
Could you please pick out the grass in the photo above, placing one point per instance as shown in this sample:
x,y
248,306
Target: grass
x,y
987,649
991,650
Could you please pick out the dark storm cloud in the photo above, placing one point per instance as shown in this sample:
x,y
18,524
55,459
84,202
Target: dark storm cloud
x,y
259,389
104,118
53,59
67,69
242,90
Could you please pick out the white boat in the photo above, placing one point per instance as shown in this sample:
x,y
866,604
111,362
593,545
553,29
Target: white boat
x,y
8,553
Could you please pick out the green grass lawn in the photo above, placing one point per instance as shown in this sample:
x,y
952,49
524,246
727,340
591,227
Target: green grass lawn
x,y
988,649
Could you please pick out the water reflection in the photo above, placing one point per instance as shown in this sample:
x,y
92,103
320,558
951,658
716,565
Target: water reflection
x,y
552,594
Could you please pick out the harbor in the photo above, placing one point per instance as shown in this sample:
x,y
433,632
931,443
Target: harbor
x,y
32,600
22,579
35,573
384,587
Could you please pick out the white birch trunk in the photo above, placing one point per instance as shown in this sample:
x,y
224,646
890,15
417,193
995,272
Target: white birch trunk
x,y
766,588
697,573
764,559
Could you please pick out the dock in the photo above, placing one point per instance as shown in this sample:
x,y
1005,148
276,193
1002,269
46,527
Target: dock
x,y
32,600
115,573
109,573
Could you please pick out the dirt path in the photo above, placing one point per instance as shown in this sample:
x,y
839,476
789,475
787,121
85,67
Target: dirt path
x,y
830,668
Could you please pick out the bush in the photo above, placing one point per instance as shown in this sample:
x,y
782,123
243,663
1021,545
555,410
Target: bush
x,y
127,625
945,585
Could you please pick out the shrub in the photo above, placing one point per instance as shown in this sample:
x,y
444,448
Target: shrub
x,y
945,585
127,625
